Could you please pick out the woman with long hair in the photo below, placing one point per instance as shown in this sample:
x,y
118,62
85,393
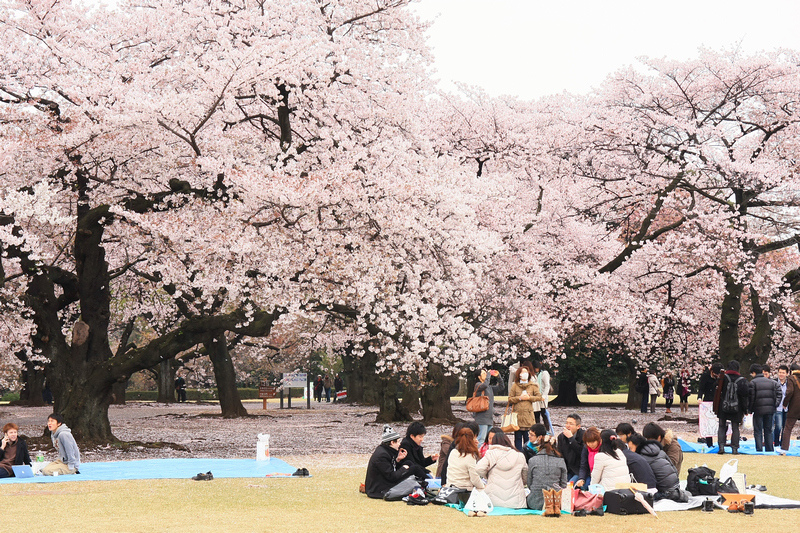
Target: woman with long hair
x,y
505,471
524,392
610,466
461,462
546,470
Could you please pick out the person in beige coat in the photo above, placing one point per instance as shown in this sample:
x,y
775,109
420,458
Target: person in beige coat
x,y
524,392
461,463
505,471
610,466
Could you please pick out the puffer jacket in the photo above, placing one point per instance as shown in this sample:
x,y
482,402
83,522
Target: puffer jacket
x,y
662,467
505,471
610,471
524,408
545,471
765,395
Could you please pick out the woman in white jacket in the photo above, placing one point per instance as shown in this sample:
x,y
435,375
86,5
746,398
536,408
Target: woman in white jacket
x,y
540,408
610,466
505,470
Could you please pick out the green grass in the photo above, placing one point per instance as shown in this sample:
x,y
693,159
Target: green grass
x,y
329,501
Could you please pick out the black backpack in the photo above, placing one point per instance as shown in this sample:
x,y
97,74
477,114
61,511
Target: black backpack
x,y
701,481
730,404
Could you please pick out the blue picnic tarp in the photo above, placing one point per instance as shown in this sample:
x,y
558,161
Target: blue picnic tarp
x,y
747,447
168,469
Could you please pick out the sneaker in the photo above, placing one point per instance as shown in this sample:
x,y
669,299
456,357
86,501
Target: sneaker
x,y
208,476
597,512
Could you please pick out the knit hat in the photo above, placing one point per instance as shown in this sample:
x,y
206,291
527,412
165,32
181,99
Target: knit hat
x,y
389,434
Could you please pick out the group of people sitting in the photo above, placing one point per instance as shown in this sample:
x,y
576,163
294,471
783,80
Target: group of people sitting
x,y
581,456
14,450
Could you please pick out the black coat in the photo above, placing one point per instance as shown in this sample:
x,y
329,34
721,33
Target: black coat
x,y
663,469
415,454
383,472
639,468
571,451
764,395
22,457
742,390
707,387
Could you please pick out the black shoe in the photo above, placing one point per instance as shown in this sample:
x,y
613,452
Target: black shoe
x,y
208,476
721,452
597,512
579,512
298,473
736,451
305,472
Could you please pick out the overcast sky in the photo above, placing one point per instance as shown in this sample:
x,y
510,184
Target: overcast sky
x,y
531,48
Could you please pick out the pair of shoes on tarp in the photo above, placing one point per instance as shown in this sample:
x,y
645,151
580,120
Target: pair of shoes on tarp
x,y
208,476
301,472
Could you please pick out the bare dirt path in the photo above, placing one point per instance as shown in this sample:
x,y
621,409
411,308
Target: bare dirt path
x,y
325,429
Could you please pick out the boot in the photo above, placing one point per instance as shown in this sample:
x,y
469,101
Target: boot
x,y
557,503
549,502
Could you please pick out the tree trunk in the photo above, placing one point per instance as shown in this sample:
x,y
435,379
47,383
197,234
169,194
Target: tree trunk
x,y
225,376
32,386
435,396
567,394
411,398
166,381
360,379
118,391
389,406
634,400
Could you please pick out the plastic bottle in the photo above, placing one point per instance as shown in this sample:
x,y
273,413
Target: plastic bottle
x,y
40,457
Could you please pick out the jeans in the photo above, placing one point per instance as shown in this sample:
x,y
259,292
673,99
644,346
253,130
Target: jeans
x,y
762,431
482,431
520,438
778,422
724,418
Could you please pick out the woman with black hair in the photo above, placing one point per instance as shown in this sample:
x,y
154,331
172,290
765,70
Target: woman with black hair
x,y
667,481
546,470
610,466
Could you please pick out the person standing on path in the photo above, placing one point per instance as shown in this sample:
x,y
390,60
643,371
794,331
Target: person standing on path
x,y
485,419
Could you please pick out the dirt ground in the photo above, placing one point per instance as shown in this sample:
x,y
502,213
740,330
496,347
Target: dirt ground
x,y
327,428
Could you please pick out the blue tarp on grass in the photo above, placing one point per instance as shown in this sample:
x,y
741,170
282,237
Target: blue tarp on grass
x,y
747,447
168,469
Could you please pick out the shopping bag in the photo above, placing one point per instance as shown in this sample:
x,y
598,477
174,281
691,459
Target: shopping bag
x,y
479,501
728,469
747,423
509,423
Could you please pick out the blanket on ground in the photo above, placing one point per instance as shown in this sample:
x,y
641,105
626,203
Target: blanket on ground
x,y
747,448
168,469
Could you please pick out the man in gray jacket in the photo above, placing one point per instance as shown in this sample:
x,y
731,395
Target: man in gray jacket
x,y
69,457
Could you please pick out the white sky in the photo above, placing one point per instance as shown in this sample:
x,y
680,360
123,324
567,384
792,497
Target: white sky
x,y
534,48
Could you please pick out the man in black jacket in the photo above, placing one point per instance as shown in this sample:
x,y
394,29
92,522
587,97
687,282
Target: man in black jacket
x,y
765,395
383,470
412,444
731,378
570,444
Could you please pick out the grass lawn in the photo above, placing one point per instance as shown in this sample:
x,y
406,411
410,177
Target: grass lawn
x,y
330,501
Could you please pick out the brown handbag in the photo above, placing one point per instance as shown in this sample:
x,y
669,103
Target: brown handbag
x,y
478,404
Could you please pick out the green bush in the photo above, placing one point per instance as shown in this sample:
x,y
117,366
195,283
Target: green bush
x,y
10,397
